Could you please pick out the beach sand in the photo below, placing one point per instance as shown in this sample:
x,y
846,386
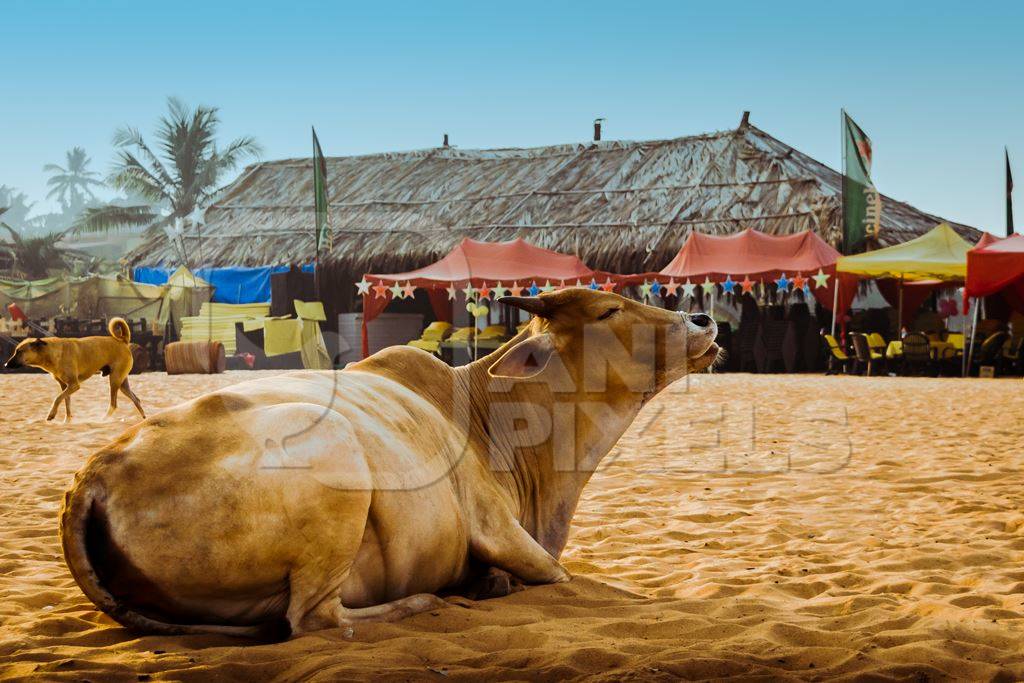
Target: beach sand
x,y
766,527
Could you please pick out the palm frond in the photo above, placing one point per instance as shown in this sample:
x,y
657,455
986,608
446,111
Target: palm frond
x,y
132,176
130,137
107,218
232,155
15,235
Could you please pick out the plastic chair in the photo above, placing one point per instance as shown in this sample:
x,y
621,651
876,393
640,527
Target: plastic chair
x,y
836,355
990,350
917,353
433,335
866,358
877,343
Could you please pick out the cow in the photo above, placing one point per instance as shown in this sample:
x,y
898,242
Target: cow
x,y
312,500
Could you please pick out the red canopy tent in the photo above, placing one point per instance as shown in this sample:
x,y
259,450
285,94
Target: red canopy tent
x,y
740,260
997,266
516,266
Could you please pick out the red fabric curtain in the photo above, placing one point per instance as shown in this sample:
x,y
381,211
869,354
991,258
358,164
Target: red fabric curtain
x,y
440,304
913,295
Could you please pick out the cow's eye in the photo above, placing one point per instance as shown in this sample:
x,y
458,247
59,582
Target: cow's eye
x,y
609,313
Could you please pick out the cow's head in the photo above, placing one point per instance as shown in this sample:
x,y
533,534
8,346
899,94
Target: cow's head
x,y
591,342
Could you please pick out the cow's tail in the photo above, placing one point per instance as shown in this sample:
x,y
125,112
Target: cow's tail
x,y
85,536
119,330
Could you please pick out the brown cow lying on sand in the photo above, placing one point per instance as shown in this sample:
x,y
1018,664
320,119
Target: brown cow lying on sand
x,y
325,498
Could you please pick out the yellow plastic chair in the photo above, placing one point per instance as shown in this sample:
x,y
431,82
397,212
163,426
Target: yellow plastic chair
x,y
836,354
877,343
433,335
460,338
491,332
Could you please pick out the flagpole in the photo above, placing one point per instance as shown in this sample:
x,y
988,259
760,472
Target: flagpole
x,y
316,231
842,185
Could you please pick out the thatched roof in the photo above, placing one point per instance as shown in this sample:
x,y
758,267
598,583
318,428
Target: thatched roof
x,y
620,206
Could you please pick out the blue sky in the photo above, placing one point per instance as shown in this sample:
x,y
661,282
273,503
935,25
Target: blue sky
x,y
937,85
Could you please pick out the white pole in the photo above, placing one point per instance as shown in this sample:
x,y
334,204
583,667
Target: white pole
x,y
899,314
974,327
835,303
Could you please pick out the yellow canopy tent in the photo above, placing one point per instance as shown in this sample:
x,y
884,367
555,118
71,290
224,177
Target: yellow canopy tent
x,y
938,256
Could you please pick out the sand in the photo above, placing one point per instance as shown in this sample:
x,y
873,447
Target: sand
x,y
763,527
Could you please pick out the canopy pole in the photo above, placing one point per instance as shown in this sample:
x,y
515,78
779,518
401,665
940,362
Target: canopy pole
x,y
899,309
835,303
974,328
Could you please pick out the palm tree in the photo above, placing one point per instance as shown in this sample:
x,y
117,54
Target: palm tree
x,y
72,186
181,178
35,256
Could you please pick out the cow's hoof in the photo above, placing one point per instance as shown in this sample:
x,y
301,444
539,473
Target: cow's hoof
x,y
496,584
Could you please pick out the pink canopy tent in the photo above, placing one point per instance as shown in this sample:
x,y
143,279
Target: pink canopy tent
x,y
515,266
996,266
740,260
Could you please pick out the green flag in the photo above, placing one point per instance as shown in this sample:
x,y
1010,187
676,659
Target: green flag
x,y
862,205
323,230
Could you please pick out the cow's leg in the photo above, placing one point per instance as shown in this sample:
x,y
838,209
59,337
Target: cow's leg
x,y
394,610
509,547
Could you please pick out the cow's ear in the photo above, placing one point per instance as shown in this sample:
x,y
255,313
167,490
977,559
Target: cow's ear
x,y
526,359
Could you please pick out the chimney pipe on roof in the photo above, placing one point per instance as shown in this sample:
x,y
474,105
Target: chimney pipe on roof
x,y
445,143
746,120
597,130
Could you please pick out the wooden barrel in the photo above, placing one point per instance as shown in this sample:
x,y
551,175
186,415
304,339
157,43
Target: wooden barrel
x,y
195,357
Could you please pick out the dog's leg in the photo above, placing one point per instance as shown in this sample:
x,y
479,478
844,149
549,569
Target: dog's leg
x,y
127,391
64,395
114,386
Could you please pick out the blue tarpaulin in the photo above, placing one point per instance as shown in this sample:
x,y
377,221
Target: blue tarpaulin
x,y
233,285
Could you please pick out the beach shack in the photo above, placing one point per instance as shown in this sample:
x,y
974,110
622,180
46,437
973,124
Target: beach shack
x,y
618,206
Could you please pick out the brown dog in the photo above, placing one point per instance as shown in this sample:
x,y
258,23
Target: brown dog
x,y
72,361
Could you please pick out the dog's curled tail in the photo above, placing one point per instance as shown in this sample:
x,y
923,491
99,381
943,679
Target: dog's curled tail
x,y
119,330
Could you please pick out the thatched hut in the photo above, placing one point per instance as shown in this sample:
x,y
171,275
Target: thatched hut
x,y
620,206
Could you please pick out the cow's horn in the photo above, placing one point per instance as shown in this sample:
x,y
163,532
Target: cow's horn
x,y
530,304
